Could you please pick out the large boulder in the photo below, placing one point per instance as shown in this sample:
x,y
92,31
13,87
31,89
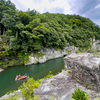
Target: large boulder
x,y
61,87
85,69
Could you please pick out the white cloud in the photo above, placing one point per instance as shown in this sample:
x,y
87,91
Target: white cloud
x,y
86,8
42,5
97,6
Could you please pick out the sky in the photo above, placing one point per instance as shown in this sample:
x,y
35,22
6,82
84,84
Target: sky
x,y
86,8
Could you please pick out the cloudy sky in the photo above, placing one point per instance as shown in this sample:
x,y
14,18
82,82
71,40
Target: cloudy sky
x,y
86,8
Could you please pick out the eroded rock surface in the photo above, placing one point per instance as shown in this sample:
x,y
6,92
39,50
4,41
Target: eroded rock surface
x,y
61,87
18,92
85,68
50,53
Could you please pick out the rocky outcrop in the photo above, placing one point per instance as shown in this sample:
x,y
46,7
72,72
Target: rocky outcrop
x,y
18,92
1,69
50,53
95,47
61,87
85,69
47,54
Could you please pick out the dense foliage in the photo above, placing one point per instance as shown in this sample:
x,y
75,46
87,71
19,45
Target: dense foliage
x,y
30,30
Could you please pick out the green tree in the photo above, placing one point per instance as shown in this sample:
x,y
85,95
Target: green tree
x,y
24,18
5,7
8,22
33,24
18,28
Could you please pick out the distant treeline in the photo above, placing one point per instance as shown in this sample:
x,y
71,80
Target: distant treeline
x,y
30,30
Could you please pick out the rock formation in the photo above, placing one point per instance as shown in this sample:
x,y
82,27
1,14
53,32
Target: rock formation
x,y
50,53
85,69
18,92
84,74
61,87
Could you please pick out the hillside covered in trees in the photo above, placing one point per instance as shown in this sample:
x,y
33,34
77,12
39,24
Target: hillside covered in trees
x,y
30,31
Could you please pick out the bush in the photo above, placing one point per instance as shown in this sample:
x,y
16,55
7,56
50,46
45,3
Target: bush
x,y
49,75
36,97
28,87
79,95
68,72
95,53
11,91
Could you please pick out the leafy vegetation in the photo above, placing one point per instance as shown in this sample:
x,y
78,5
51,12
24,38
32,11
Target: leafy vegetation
x,y
79,95
49,75
68,71
13,97
28,87
31,31
11,91
95,53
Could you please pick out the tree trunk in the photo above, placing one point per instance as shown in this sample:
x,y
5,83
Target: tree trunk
x,y
18,31
2,29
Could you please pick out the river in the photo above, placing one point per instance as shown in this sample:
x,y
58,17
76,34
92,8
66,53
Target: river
x,y
38,71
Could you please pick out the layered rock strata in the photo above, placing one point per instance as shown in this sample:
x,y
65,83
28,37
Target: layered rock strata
x,y
85,69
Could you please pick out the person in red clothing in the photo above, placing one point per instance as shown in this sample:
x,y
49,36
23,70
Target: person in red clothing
x,y
20,76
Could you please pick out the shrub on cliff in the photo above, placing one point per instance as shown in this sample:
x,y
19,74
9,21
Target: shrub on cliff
x,y
49,75
79,95
28,87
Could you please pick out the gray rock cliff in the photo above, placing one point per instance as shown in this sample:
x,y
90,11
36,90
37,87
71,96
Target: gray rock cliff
x,y
85,68
50,53
61,87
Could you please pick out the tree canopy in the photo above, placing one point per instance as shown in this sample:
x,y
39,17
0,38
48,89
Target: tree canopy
x,y
31,30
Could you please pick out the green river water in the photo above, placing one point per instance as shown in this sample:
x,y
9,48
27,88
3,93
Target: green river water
x,y
38,71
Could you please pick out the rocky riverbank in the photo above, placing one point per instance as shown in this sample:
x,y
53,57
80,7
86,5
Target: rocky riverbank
x,y
42,56
61,87
81,71
50,53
